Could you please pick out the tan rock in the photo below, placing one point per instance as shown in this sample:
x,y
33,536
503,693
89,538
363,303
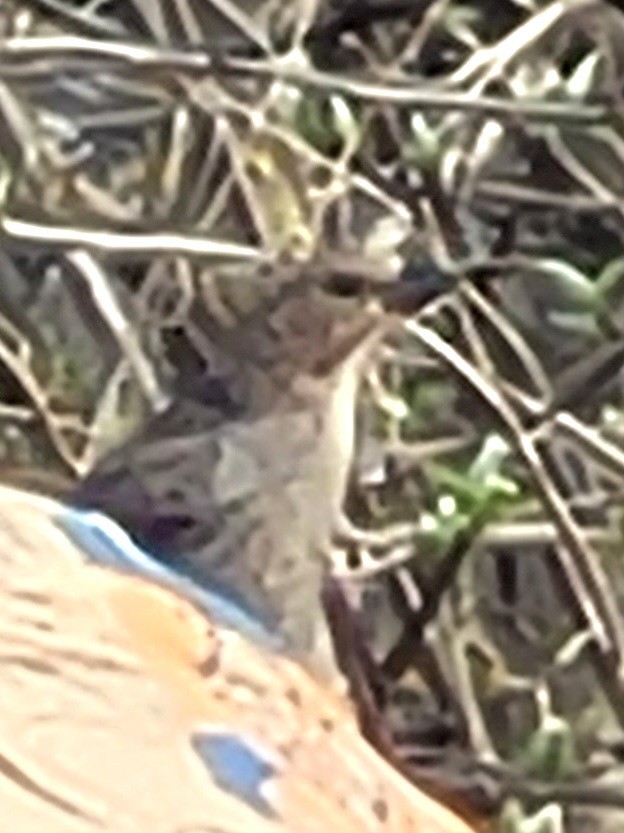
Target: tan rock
x,y
125,710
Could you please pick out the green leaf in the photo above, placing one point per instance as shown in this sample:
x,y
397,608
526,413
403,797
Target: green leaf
x,y
572,286
550,753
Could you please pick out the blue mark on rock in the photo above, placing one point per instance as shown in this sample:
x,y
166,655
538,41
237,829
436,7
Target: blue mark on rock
x,y
106,543
237,766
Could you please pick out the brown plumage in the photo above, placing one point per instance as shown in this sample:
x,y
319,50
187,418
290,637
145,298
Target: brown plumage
x,y
242,484
148,702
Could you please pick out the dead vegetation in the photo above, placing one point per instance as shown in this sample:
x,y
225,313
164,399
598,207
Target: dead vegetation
x,y
147,145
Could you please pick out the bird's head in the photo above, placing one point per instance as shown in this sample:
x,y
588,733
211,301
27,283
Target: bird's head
x,y
294,320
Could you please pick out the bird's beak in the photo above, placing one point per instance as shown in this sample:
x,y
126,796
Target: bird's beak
x,y
405,293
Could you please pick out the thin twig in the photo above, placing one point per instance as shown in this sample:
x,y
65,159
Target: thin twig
x,y
121,242
99,287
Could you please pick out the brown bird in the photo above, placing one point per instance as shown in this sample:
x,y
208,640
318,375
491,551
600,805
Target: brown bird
x,y
153,702
241,485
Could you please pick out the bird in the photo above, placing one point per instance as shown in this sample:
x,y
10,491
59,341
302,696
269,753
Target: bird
x,y
134,699
240,483
160,626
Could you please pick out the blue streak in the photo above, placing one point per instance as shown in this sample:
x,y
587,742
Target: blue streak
x,y
237,767
104,542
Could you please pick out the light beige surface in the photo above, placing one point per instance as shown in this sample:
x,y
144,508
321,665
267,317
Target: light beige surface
x,y
104,679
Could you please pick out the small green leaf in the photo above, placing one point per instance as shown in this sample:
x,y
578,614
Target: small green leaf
x,y
550,753
574,287
611,279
